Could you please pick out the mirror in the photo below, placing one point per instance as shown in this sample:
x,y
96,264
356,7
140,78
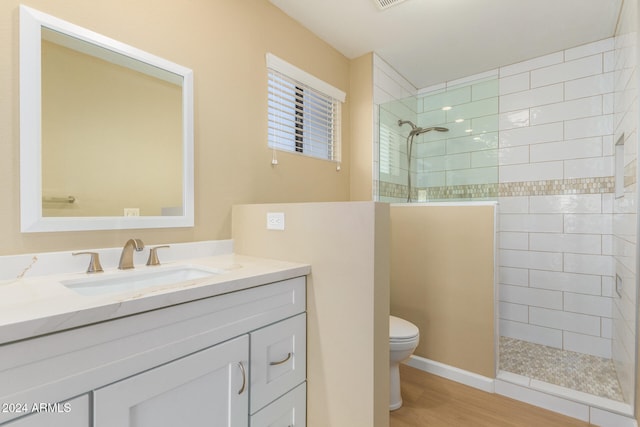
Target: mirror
x,y
106,132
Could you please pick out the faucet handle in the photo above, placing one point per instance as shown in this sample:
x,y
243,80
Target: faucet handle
x,y
94,263
153,255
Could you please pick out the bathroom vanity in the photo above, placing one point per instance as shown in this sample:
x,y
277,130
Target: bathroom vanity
x,y
226,350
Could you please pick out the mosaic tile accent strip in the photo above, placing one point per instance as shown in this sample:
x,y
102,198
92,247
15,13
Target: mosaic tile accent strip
x,y
577,371
630,173
472,191
390,189
596,185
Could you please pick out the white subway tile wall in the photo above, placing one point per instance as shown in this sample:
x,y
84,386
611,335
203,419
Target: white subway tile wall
x,y
555,233
566,110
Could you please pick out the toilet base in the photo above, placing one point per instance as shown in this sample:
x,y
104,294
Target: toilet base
x,y
395,398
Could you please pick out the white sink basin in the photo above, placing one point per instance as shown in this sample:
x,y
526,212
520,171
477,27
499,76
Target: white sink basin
x,y
133,280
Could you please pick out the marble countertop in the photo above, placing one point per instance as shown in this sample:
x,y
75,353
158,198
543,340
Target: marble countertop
x,y
36,306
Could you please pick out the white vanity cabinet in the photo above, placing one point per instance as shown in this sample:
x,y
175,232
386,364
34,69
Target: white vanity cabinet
x,y
236,359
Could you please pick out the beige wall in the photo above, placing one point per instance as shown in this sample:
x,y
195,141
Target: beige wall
x,y
442,280
224,42
361,120
93,151
347,245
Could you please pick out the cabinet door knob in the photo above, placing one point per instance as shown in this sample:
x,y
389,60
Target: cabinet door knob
x,y
285,360
244,378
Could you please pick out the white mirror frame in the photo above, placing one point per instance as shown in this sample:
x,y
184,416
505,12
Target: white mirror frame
x,y
31,219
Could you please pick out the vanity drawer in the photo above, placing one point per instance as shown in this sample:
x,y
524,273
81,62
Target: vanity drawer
x,y
278,360
288,411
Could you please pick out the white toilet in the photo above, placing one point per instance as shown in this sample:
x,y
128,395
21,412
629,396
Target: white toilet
x,y
403,340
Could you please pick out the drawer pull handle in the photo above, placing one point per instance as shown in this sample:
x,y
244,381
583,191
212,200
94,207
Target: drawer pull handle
x,y
285,360
244,378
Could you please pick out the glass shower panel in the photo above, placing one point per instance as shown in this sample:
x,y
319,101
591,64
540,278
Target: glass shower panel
x,y
461,164
394,165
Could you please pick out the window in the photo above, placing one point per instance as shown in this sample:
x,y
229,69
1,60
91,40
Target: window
x,y
389,150
303,112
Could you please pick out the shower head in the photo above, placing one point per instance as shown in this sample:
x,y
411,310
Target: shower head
x,y
418,131
409,122
415,130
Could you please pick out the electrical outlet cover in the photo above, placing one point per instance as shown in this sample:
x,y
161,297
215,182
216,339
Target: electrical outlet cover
x,y
275,220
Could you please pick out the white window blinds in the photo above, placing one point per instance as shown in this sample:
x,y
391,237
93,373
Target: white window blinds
x,y
303,112
389,151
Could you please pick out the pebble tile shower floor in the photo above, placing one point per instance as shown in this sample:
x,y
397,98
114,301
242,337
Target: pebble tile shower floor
x,y
577,371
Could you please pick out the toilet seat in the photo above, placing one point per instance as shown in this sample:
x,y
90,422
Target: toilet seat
x,y
401,331
403,340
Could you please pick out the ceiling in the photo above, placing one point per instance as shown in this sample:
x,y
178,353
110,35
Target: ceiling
x,y
433,41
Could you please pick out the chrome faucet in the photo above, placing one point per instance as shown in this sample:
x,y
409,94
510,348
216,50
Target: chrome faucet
x,y
126,258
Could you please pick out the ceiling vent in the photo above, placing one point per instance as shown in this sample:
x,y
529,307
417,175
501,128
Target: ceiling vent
x,y
386,4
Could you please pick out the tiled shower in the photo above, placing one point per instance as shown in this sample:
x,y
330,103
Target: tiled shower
x,y
554,141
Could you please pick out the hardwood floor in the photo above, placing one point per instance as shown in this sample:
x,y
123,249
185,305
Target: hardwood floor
x,y
433,401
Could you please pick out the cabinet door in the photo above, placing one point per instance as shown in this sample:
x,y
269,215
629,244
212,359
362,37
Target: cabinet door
x,y
207,388
72,413
278,360
289,410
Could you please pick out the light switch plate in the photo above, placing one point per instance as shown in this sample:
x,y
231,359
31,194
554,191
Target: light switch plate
x,y
131,211
275,220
